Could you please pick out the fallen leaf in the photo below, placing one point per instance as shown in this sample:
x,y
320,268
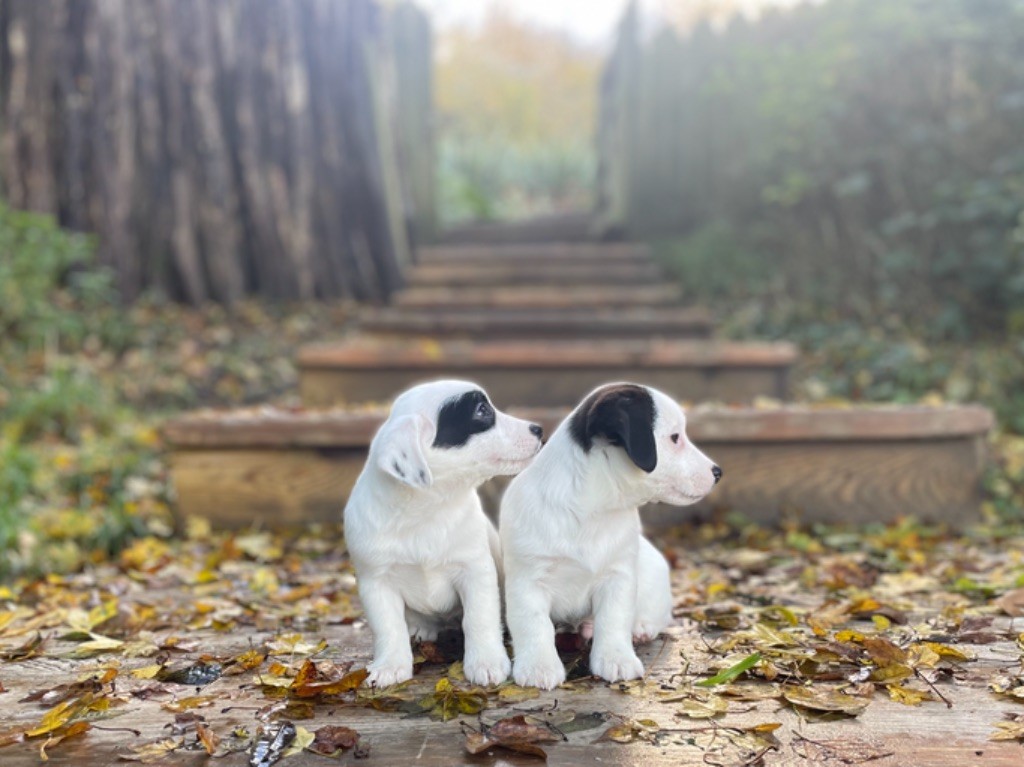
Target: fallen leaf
x,y
187,704
513,733
824,699
908,696
706,708
147,753
331,739
303,739
512,693
448,701
727,675
1011,603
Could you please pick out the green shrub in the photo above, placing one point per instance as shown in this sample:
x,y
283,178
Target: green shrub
x,y
50,293
713,263
483,179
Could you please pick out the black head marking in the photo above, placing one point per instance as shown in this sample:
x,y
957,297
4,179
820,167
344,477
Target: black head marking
x,y
463,416
623,415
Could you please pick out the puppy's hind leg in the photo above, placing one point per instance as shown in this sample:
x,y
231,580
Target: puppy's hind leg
x,y
653,593
385,612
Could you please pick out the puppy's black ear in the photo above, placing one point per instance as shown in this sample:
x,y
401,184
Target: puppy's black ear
x,y
624,415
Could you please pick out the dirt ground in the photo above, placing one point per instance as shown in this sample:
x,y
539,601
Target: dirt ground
x,y
893,647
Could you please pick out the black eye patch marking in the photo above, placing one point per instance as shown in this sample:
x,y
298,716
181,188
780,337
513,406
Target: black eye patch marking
x,y
461,417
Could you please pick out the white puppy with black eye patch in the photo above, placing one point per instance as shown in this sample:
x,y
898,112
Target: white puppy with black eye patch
x,y
570,531
424,552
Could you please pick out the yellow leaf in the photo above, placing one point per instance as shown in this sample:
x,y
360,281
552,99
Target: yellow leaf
x,y
303,739
151,752
945,651
513,693
97,644
147,672
187,704
908,696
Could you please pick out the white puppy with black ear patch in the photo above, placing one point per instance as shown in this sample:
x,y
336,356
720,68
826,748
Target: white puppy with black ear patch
x,y
424,552
570,531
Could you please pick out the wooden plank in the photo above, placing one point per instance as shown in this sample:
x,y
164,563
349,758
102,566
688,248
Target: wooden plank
x,y
547,386
282,468
278,488
507,273
269,427
631,355
548,324
543,296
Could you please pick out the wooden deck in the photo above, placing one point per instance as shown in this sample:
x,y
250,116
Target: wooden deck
x,y
315,602
872,464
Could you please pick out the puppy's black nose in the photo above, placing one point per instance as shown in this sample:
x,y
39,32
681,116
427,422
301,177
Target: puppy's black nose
x,y
537,430
717,472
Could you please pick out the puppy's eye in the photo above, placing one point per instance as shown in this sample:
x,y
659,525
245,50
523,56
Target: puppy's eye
x,y
483,411
675,438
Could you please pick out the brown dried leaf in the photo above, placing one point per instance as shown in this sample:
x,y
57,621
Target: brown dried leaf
x,y
824,699
148,753
330,739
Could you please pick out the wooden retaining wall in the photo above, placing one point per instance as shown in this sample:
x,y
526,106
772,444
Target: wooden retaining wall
x,y
855,464
554,373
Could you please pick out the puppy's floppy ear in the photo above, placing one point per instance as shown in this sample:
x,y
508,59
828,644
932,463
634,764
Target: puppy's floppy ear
x,y
401,449
624,415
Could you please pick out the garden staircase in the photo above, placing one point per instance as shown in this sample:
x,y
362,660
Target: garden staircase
x,y
539,324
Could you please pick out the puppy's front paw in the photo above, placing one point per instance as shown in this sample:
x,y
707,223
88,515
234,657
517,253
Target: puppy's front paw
x,y
616,665
545,673
487,668
385,674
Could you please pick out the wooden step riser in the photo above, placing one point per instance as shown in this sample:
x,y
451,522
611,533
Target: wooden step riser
x,y
565,324
543,387
936,481
538,297
487,276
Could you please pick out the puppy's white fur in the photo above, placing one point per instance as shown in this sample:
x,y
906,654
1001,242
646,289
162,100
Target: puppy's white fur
x,y
573,549
423,550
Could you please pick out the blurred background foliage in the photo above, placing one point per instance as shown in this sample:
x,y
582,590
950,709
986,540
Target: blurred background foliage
x,y
515,109
847,175
85,381
863,156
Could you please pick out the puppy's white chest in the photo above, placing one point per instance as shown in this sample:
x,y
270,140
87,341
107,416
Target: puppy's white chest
x,y
428,590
